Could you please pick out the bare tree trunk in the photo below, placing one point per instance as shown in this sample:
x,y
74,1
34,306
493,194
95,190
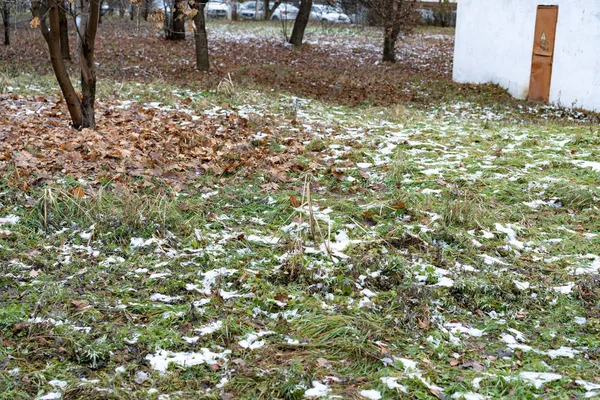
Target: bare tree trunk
x,y
266,13
64,31
131,15
177,28
301,22
269,11
389,44
6,22
202,62
100,17
146,9
81,111
52,36
121,8
88,65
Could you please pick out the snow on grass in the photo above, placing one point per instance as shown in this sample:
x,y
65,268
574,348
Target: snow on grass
x,y
371,394
318,390
538,379
161,360
10,220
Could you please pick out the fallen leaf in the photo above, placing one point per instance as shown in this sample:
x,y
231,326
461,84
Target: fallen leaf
x,y
77,192
294,201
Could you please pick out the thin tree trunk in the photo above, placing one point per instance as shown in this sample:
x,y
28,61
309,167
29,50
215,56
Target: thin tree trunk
x,y
269,11
266,15
52,36
6,22
301,22
146,9
64,31
131,15
177,27
202,63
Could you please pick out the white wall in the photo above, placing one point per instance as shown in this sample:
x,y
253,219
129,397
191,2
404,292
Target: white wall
x,y
494,42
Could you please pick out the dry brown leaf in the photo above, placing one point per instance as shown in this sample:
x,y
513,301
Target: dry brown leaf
x,y
294,201
77,192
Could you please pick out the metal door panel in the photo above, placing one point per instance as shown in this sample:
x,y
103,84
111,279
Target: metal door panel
x,y
543,53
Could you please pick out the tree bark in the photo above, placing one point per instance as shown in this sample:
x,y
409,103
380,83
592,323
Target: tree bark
x,y
88,64
64,31
146,9
266,13
201,39
389,45
269,11
6,22
52,36
177,29
301,22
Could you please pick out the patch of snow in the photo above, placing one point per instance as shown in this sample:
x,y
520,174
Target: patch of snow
x,y
318,390
563,352
564,289
593,389
50,396
594,165
9,220
392,383
141,377
468,396
136,242
538,379
489,260
164,298
161,359
455,328
263,239
371,394
210,328
251,342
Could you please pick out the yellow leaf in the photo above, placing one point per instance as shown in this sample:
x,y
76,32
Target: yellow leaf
x,y
78,192
34,23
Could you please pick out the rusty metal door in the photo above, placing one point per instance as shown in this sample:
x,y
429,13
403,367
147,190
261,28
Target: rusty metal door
x,y
543,53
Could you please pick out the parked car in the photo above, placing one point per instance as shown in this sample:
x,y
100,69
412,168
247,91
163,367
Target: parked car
x,y
247,10
217,9
427,16
325,13
285,11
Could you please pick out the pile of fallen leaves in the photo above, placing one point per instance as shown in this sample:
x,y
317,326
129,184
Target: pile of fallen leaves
x,y
132,141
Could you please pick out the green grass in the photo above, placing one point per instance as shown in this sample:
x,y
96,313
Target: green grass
x,y
75,302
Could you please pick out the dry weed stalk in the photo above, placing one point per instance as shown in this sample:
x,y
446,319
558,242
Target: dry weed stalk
x,y
226,87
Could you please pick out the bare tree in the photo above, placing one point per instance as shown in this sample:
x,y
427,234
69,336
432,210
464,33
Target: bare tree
x,y
301,22
64,30
6,21
47,16
200,37
397,16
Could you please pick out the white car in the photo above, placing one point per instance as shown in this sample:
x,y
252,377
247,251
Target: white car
x,y
217,9
247,10
285,11
326,13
